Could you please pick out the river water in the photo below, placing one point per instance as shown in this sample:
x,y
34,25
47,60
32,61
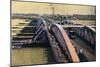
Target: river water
x,y
31,56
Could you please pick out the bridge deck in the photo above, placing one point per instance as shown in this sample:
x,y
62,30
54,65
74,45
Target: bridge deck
x,y
81,44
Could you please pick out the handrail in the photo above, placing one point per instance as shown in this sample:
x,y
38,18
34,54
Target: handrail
x,y
65,43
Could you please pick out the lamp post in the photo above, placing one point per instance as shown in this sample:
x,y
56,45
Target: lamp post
x,y
53,9
53,12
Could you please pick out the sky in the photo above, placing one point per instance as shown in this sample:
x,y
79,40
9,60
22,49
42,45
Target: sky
x,y
46,8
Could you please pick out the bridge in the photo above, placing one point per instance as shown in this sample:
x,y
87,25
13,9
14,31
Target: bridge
x,y
64,48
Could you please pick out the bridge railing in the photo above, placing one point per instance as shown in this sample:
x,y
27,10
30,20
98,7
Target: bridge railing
x,y
65,43
87,33
41,29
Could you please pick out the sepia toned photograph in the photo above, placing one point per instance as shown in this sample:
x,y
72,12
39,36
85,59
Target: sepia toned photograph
x,y
52,33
